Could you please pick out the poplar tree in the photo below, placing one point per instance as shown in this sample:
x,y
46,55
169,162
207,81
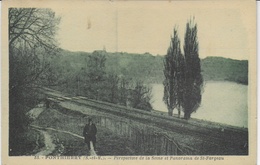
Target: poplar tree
x,y
174,75
193,78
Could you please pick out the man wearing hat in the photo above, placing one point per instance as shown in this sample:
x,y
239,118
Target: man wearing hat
x,y
89,133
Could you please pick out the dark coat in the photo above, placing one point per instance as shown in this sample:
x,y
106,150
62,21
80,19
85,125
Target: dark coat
x,y
90,132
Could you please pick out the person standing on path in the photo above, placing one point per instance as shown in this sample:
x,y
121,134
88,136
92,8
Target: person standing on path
x,y
89,134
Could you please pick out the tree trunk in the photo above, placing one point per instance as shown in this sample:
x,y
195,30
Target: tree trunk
x,y
179,113
186,115
170,112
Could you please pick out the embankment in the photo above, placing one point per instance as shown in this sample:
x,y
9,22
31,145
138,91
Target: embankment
x,y
154,134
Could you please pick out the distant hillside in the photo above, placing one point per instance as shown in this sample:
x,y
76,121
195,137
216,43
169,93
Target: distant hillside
x,y
220,69
149,68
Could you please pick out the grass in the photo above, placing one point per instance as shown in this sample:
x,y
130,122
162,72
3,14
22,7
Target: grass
x,y
228,142
68,145
27,143
107,142
200,136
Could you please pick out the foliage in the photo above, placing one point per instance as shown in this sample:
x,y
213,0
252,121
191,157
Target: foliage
x,y
31,45
30,142
124,85
94,76
193,77
222,69
123,70
183,79
112,88
140,97
129,65
174,75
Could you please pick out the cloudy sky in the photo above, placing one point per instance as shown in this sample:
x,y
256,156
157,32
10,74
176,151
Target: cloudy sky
x,y
224,29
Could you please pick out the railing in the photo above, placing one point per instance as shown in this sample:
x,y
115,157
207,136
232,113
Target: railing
x,y
145,140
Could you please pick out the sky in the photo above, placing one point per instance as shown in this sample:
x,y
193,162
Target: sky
x,y
224,29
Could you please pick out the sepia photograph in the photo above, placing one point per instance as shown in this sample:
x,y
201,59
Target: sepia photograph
x,y
129,80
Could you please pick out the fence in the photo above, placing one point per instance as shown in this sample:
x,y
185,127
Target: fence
x,y
145,139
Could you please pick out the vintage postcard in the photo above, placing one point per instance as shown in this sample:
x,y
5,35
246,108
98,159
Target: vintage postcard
x,y
128,82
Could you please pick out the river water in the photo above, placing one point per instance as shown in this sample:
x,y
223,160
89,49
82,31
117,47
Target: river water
x,y
222,102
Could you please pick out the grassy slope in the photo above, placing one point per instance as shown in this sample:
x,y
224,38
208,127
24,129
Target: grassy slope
x,y
110,144
107,143
202,136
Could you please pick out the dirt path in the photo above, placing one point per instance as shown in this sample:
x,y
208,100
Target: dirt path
x,y
92,151
49,146
35,112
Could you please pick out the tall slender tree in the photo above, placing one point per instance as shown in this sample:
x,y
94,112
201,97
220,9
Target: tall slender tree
x,y
96,75
173,72
193,77
179,82
112,85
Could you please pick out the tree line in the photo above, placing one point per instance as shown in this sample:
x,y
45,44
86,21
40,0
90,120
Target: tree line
x,y
95,81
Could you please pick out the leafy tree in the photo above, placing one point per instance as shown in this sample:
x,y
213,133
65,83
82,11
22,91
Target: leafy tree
x,y
193,77
174,75
140,97
54,75
112,83
31,44
96,75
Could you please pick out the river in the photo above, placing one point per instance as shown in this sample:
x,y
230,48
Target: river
x,y
222,102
